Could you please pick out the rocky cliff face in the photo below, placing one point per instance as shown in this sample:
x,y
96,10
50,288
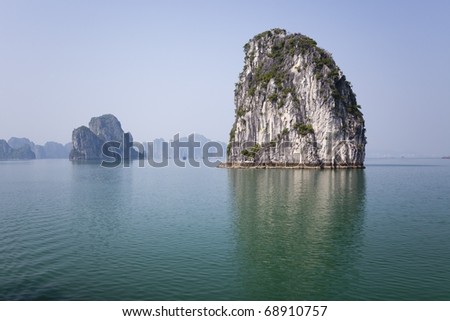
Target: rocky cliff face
x,y
86,145
107,128
9,153
294,107
5,150
87,142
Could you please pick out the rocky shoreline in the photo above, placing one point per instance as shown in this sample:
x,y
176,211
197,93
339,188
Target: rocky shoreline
x,y
287,165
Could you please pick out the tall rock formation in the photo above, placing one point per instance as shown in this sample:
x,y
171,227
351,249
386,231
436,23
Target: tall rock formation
x,y
87,142
294,107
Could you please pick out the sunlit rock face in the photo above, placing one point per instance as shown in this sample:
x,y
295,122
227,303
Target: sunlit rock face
x,y
294,107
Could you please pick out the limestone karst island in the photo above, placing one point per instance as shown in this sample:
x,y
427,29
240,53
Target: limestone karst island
x,y
87,142
294,108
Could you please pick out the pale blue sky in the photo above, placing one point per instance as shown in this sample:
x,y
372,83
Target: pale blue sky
x,y
164,67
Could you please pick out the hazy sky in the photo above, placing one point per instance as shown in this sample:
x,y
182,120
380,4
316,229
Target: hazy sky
x,y
164,67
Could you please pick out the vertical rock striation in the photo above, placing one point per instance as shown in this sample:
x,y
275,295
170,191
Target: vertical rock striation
x,y
294,107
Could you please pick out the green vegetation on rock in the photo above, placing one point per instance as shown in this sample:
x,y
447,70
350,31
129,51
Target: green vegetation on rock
x,y
354,110
252,151
304,129
241,111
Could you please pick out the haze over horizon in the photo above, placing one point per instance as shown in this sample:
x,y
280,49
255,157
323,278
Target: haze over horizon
x,y
170,67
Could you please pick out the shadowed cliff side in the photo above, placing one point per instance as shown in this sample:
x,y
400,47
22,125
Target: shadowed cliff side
x,y
88,142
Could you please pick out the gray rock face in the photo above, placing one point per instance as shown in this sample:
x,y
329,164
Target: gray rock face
x,y
16,142
86,145
87,142
294,107
24,152
5,150
9,153
107,128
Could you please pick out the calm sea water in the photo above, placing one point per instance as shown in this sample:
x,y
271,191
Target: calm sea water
x,y
80,232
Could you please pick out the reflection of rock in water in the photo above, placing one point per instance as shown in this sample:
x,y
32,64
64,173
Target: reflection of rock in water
x,y
298,232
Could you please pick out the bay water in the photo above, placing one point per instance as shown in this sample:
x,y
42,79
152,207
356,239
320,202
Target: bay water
x,y
76,231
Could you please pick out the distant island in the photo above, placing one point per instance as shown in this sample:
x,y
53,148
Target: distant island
x,y
23,148
87,144
446,157
9,153
294,107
